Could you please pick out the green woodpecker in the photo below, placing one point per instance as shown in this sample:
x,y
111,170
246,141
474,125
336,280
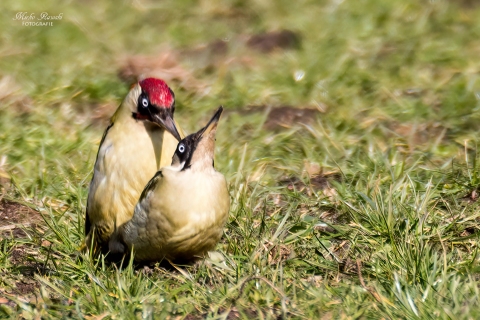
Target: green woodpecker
x,y
141,138
183,209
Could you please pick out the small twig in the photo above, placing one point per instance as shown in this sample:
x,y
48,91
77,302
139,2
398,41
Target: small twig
x,y
444,252
362,282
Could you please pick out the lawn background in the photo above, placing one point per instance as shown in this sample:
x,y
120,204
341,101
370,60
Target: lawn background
x,y
350,149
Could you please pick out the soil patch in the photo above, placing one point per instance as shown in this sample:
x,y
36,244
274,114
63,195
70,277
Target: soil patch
x,y
288,116
273,40
14,216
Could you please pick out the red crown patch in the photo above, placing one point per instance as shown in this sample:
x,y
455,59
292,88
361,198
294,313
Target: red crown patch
x,y
158,92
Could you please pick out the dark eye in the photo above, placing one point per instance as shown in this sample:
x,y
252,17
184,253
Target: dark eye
x,y
144,102
181,148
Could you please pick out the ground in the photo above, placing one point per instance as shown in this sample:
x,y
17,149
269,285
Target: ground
x,y
349,143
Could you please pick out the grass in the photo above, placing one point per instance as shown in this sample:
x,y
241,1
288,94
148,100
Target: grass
x,y
367,211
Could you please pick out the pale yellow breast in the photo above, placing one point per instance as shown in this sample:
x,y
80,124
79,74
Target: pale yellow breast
x,y
130,155
185,216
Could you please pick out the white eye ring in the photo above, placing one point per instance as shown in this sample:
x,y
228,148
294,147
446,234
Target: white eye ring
x,y
181,148
145,102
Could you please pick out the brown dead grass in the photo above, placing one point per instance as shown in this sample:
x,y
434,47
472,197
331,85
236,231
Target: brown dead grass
x,y
164,65
278,253
318,180
414,136
101,113
231,314
12,96
235,313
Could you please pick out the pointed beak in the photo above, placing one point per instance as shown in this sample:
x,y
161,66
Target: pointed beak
x,y
202,143
212,124
166,121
